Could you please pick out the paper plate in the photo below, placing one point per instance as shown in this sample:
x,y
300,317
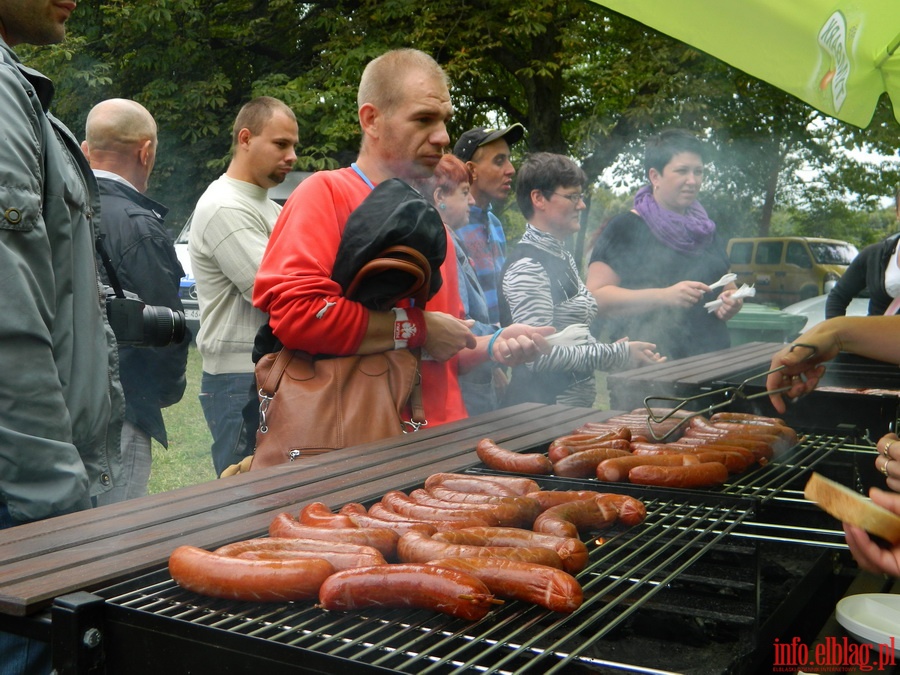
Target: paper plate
x,y
872,618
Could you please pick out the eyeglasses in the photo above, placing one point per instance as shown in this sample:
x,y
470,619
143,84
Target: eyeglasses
x,y
575,197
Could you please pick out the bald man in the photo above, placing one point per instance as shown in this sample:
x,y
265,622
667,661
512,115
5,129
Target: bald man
x,y
120,144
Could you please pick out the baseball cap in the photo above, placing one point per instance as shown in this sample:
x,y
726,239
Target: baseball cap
x,y
473,139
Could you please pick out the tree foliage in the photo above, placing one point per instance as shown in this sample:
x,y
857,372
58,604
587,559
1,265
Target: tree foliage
x,y
584,81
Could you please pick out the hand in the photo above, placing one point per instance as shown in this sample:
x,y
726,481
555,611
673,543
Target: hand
x,y
520,344
730,306
644,353
446,335
686,294
870,556
802,366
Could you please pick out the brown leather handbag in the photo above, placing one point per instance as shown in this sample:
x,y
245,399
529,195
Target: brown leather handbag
x,y
314,404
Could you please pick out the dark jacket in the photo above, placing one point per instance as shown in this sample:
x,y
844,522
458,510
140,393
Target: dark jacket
x,y
865,272
143,256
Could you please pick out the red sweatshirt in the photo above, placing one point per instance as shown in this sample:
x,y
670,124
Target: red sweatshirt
x,y
306,309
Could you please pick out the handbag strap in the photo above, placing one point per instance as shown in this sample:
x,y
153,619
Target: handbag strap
x,y
404,259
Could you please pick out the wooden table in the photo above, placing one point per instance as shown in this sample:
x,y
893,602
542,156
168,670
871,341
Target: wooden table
x,y
93,549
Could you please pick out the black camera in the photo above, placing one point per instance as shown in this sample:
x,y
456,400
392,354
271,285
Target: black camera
x,y
140,325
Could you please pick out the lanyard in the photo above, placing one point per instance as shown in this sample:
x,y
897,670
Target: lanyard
x,y
362,175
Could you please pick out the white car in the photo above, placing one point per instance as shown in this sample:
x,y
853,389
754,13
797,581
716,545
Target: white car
x,y
814,309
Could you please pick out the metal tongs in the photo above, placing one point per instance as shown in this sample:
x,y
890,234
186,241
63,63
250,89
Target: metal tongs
x,y
729,395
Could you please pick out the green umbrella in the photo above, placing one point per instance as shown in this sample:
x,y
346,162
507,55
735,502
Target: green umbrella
x,y
837,55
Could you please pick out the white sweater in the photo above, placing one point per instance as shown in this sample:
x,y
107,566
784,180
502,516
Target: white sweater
x,y
230,228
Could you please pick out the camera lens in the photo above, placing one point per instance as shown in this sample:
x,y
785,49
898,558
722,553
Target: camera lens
x,y
162,326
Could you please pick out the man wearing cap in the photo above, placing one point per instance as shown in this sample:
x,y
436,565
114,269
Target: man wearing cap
x,y
486,154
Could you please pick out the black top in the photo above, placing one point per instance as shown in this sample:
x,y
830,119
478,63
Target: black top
x,y
641,261
865,272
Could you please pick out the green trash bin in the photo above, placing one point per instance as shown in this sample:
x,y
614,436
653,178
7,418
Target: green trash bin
x,y
764,323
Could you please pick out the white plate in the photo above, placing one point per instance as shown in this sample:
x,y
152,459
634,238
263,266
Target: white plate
x,y
872,618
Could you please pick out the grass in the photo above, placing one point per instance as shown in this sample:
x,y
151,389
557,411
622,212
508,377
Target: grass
x,y
187,460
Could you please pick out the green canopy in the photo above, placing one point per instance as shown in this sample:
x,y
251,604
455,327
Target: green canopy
x,y
837,55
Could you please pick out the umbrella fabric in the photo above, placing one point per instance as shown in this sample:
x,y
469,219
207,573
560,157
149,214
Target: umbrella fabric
x,y
836,55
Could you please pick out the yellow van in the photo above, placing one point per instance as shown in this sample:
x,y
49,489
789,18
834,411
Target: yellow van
x,y
785,270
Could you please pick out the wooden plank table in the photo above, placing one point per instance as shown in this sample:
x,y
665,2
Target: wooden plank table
x,y
93,549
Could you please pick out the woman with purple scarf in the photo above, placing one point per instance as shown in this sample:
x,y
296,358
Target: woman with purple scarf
x,y
651,268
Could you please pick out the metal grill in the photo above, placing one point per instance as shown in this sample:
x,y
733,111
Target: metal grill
x,y
628,570
697,558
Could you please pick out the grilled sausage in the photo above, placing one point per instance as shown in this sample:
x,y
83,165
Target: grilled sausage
x,y
631,511
548,498
506,515
291,545
231,578
584,464
572,552
318,514
703,475
572,518
501,459
340,561
617,469
400,502
518,486
463,483
418,547
553,589
407,585
746,418
525,503
383,539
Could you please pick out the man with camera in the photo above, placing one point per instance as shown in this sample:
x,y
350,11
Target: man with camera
x,y
121,148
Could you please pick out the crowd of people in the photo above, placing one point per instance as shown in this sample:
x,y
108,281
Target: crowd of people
x,y
77,422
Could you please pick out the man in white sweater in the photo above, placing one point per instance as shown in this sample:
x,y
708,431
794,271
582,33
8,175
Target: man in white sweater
x,y
229,232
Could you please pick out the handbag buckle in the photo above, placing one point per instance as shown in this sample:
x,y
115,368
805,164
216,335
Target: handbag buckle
x,y
264,400
411,426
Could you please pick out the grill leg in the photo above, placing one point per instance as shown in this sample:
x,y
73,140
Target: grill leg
x,y
77,634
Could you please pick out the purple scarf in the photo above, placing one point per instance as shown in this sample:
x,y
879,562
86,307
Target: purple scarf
x,y
688,233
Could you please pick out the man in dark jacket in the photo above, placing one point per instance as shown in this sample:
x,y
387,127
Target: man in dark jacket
x,y
121,147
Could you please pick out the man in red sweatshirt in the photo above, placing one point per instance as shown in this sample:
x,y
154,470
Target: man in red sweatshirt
x,y
404,106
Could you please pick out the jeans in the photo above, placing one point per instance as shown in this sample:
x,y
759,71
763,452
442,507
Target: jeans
x,y
136,460
20,655
223,398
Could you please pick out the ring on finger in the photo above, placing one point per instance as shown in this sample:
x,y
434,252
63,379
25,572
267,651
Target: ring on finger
x,y
884,467
887,449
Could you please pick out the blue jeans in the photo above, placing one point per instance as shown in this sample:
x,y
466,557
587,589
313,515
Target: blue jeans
x,y
223,398
20,655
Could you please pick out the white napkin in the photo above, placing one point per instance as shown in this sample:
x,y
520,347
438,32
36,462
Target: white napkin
x,y
744,291
725,280
576,334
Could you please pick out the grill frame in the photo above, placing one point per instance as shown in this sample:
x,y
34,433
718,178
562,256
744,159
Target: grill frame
x,y
127,624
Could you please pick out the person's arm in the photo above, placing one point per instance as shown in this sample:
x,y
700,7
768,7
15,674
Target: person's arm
x,y
516,344
874,337
238,240
612,299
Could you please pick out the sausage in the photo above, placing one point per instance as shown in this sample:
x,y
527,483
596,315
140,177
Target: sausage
x,y
400,502
572,552
548,498
463,483
510,515
558,452
746,418
540,585
519,486
231,578
648,448
272,544
707,474
407,585
318,514
584,464
501,459
418,547
617,469
398,526
383,539
448,495
734,462
631,511
340,561
571,518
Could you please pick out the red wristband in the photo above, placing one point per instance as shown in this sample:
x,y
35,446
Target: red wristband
x,y
409,328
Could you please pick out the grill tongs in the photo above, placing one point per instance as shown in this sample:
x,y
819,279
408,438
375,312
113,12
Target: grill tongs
x,y
728,394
